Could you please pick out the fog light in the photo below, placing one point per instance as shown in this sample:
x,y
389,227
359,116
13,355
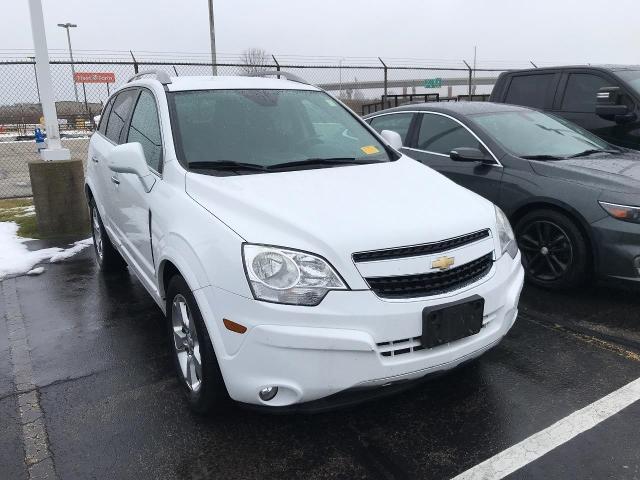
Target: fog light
x,y
268,393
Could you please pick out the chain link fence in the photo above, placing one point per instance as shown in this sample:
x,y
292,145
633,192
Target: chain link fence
x,y
365,88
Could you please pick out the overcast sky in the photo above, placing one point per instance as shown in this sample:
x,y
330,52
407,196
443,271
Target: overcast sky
x,y
540,30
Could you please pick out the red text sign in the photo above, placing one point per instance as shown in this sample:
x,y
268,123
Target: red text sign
x,y
94,77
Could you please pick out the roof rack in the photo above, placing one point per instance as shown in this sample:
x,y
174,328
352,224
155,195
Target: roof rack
x,y
272,73
161,76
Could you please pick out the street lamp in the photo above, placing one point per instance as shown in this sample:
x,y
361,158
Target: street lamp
x,y
67,26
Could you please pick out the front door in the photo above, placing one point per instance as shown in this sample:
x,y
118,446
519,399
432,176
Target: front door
x,y
437,135
134,206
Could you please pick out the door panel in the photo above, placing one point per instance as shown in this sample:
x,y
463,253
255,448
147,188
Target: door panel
x,y
133,206
578,104
437,136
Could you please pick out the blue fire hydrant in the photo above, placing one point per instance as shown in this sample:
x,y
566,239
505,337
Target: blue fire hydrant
x,y
40,143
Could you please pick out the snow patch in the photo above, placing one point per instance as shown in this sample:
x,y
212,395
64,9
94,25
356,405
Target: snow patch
x,y
16,259
36,271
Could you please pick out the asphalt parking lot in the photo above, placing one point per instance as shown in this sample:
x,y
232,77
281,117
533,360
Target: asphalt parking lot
x,y
100,372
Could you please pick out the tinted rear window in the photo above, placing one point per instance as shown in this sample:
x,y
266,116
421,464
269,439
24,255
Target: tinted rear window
x,y
529,90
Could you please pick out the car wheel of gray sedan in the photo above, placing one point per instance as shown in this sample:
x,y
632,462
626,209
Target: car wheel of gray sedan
x,y
195,360
108,258
555,253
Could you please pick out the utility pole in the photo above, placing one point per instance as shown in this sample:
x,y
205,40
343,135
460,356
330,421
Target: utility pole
x,y
212,33
54,150
67,26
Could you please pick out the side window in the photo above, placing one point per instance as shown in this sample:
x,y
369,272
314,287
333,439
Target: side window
x,y
102,127
529,90
145,129
440,134
581,91
398,122
122,105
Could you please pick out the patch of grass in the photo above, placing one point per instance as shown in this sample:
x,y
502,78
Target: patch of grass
x,y
20,211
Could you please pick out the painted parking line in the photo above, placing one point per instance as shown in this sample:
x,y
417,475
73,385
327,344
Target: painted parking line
x,y
537,445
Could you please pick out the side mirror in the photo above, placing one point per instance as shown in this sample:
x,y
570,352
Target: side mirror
x,y
609,105
393,138
96,120
129,158
466,154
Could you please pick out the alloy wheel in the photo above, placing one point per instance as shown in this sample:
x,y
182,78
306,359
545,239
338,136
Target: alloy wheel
x,y
97,233
186,344
547,250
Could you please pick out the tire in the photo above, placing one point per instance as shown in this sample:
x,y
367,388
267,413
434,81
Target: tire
x,y
555,252
107,257
203,385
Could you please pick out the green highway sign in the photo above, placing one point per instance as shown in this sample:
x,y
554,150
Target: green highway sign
x,y
433,83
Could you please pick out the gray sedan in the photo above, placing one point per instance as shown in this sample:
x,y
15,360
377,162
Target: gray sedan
x,y
573,198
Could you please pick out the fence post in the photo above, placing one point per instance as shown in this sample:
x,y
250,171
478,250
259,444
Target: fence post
x,y
277,64
135,62
470,78
386,79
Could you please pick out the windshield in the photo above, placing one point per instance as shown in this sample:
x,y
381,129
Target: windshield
x,y
268,127
529,133
632,77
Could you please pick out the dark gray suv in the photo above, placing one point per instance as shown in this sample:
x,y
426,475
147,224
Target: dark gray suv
x,y
573,198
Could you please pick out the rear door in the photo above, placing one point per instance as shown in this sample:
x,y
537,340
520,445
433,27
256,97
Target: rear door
x,y
576,101
437,134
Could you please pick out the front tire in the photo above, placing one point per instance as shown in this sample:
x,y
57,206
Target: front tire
x,y
194,357
555,252
107,257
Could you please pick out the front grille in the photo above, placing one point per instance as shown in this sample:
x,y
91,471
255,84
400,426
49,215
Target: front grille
x,y
424,249
436,283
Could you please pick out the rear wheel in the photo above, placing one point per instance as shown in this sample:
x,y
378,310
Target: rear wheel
x,y
554,250
108,258
195,360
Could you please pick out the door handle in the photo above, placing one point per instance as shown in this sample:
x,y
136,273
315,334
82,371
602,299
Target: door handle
x,y
115,180
94,159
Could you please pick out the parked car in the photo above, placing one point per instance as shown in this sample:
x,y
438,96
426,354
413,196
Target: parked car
x,y
602,99
573,198
295,254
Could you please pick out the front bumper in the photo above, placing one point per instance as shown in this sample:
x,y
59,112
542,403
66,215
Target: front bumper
x,y
618,246
314,352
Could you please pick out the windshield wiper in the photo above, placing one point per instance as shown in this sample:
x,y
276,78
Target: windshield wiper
x,y
591,151
542,157
226,165
312,162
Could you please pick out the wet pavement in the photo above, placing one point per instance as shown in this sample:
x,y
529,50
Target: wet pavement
x,y
113,409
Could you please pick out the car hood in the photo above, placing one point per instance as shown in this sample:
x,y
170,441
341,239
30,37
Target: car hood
x,y
618,173
341,210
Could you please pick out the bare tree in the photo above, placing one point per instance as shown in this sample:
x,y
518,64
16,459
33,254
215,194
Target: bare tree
x,y
255,61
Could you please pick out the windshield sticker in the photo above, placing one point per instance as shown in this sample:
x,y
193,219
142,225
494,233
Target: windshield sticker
x,y
369,149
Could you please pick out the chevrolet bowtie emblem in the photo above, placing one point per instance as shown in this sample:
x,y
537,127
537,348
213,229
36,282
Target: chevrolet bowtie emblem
x,y
443,263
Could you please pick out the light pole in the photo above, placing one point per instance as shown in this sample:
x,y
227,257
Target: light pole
x,y
67,26
340,75
212,34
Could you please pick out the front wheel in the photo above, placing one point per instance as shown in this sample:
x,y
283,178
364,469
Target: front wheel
x,y
555,252
195,360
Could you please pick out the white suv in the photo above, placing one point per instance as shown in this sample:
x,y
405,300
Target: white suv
x,y
296,253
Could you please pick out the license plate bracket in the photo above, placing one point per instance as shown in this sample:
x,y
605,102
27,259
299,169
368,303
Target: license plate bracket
x,y
452,321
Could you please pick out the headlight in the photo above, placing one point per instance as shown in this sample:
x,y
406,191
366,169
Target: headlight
x,y
287,276
622,212
505,234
